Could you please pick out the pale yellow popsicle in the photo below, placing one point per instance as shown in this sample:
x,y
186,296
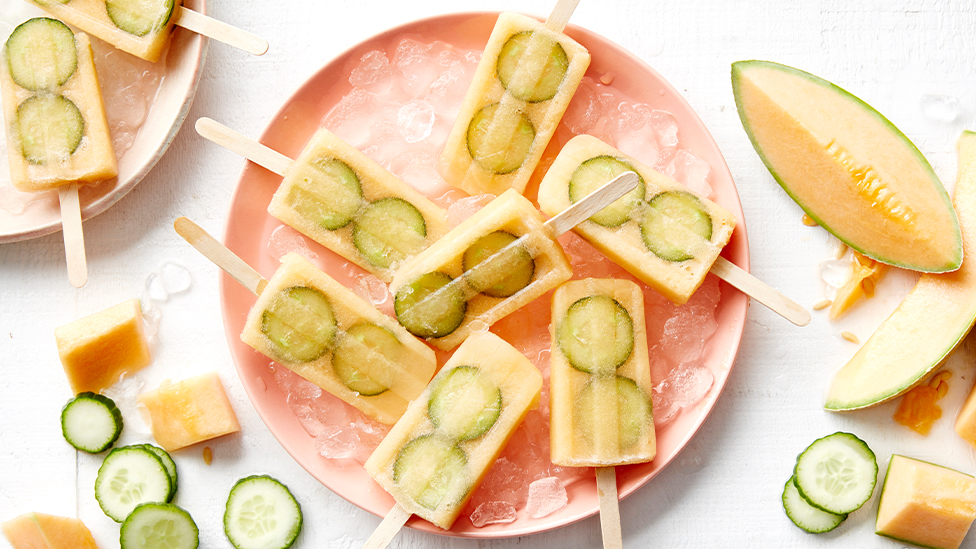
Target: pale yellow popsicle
x,y
523,84
660,232
319,329
491,264
340,198
440,450
600,381
57,132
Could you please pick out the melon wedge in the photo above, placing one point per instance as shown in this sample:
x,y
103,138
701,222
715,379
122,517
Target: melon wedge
x,y
934,317
40,531
848,167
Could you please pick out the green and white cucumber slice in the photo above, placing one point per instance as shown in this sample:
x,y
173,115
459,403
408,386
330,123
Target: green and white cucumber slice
x,y
159,526
668,219
427,467
91,422
300,324
139,17
389,231
262,513
633,409
329,194
130,475
596,335
430,306
836,473
806,516
596,172
496,266
500,140
532,79
363,356
464,403
41,54
170,466
50,128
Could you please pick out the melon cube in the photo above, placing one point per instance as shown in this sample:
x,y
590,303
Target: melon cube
x,y
190,411
926,504
40,531
966,420
97,350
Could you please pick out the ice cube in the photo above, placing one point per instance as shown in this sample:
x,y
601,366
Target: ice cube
x,y
546,496
835,273
417,168
493,512
285,240
687,384
692,172
417,65
941,108
415,120
502,483
373,72
174,277
371,289
466,207
337,442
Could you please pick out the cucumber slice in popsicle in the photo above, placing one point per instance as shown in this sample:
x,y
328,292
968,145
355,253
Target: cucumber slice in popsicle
x,y
430,306
139,17
500,141
300,324
534,77
633,408
669,210
464,403
41,54
596,335
50,128
427,467
389,231
596,172
330,193
362,357
496,267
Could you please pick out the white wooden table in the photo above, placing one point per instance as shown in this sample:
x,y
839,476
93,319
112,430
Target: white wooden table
x,y
724,489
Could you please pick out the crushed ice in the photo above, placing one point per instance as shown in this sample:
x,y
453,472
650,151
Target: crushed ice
x,y
286,240
546,496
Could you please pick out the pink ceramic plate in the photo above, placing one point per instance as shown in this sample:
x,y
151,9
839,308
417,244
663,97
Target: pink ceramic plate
x,y
184,60
249,228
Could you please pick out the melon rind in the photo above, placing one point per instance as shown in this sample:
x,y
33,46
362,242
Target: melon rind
x,y
849,168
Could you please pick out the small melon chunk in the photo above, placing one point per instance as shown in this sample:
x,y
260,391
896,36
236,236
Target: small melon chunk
x,y
926,504
97,350
966,420
190,411
850,169
40,531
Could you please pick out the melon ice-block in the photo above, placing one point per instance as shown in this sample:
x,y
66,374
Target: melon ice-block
x,y
98,350
493,263
600,381
523,84
57,132
926,504
139,27
322,331
42,531
338,197
660,232
438,453
189,411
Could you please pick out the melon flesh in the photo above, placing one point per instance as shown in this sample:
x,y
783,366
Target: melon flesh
x,y
190,411
926,504
926,326
848,167
40,531
966,420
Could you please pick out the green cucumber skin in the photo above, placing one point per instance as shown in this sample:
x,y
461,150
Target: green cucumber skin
x,y
229,518
99,479
871,454
401,306
786,508
130,522
739,67
486,419
170,467
535,95
108,404
12,43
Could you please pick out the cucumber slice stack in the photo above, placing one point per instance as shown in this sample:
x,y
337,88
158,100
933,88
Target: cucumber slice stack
x,y
832,478
128,477
91,422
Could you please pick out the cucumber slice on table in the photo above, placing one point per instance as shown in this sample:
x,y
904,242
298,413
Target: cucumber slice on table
x,y
464,403
50,128
596,172
329,193
836,473
91,422
430,306
41,54
496,266
806,516
159,526
427,467
261,513
139,17
596,335
500,141
389,231
633,408
300,324
362,357
170,466
670,218
536,78
130,475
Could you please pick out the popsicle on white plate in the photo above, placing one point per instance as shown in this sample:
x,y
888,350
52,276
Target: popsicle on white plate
x,y
523,84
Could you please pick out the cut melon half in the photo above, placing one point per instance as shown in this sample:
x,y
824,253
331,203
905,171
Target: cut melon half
x,y
848,167
926,326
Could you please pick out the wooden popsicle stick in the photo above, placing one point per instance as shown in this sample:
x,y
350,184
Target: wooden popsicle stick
x,y
593,203
760,291
388,529
606,486
220,31
245,146
74,239
216,252
560,15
